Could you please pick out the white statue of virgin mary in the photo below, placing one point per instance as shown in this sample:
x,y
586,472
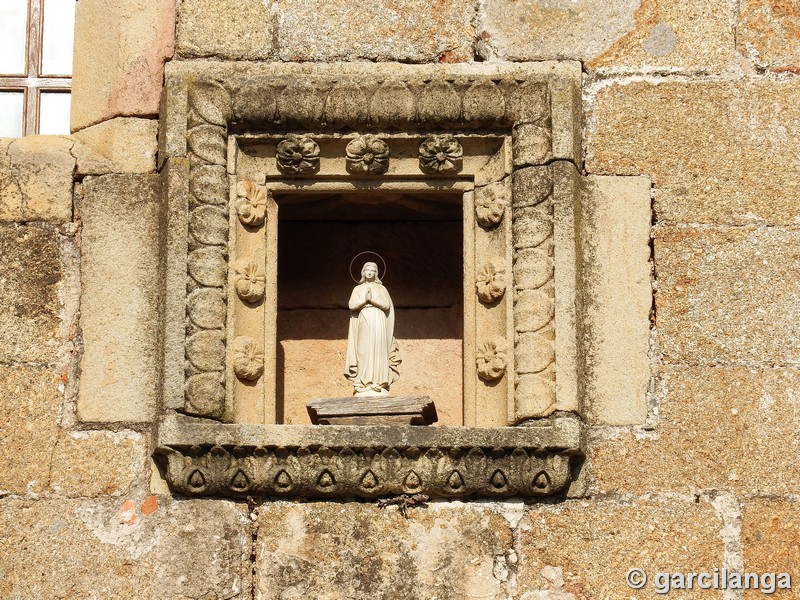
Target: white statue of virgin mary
x,y
372,354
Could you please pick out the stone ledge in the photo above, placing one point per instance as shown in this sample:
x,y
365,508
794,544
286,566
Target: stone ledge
x,y
373,410
204,458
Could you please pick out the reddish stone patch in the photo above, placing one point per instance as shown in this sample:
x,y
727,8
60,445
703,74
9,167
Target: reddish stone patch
x,y
149,506
127,513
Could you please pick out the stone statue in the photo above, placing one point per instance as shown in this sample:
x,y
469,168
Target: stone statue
x,y
372,353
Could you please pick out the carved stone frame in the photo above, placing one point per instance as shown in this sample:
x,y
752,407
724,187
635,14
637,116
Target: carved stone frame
x,y
519,219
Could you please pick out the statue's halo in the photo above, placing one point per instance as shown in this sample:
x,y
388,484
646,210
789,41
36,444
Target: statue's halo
x,y
380,276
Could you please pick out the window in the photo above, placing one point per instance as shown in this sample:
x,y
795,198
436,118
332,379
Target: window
x,y
35,66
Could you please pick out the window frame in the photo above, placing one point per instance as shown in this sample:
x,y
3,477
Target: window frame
x,y
32,83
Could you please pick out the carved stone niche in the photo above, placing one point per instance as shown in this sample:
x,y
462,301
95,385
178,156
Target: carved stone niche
x,y
483,157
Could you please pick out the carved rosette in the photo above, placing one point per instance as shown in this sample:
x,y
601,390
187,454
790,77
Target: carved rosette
x,y
248,360
330,472
491,360
208,116
491,281
251,203
440,155
367,155
250,281
490,204
297,155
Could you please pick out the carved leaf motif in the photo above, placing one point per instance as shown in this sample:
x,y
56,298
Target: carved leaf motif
x,y
205,307
484,102
209,225
206,350
301,102
297,155
527,101
282,479
439,102
369,481
205,395
248,361
498,479
209,184
249,280
462,470
392,104
196,479
210,102
367,155
251,203
239,481
491,360
491,281
208,143
346,105
412,452
541,480
456,481
490,205
412,481
326,479
440,154
208,267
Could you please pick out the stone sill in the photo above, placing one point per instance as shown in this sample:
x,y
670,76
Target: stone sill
x,y
204,458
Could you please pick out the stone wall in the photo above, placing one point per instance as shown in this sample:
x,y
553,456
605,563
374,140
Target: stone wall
x,y
700,98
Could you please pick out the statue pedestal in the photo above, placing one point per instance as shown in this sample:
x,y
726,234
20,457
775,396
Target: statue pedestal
x,y
373,410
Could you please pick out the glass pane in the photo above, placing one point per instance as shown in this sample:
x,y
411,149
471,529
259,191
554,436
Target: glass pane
x,y
54,113
13,25
11,114
59,26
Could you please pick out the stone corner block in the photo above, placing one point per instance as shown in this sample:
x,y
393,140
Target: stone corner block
x,y
32,275
36,179
97,463
596,543
626,34
770,529
121,145
616,277
135,547
120,51
30,404
440,550
721,428
413,31
724,296
240,30
121,298
766,33
719,152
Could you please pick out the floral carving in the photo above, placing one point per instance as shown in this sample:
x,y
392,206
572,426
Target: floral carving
x,y
297,155
248,362
440,154
491,361
491,281
250,280
367,155
490,205
251,203
516,466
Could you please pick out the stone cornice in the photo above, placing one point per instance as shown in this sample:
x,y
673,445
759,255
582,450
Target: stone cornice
x,y
205,458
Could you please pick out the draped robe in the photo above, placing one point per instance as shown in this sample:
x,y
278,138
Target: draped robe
x,y
372,355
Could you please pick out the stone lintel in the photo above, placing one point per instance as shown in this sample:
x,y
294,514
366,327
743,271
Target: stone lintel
x,y
375,410
207,458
